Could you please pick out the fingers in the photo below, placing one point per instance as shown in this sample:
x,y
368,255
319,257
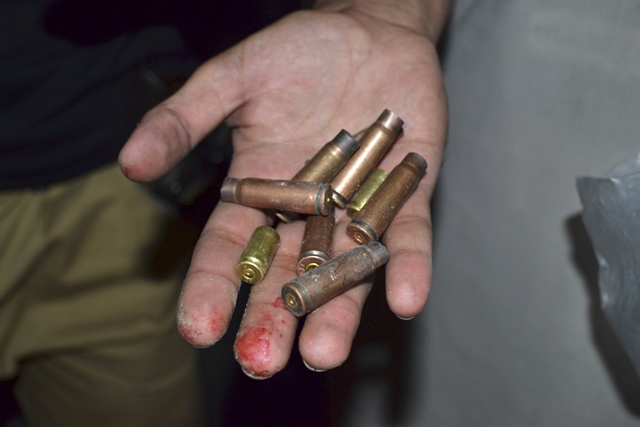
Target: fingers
x,y
409,237
211,287
267,332
169,131
325,340
409,242
275,117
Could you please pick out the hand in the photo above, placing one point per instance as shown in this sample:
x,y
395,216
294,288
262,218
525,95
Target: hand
x,y
288,90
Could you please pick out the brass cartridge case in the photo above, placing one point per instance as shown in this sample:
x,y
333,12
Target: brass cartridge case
x,y
316,243
374,143
294,196
257,256
366,190
382,207
325,164
358,135
329,160
323,283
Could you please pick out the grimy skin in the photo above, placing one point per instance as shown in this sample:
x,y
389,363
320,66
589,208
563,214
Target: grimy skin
x,y
288,90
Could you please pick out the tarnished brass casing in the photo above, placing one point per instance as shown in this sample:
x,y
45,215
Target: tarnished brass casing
x,y
382,207
323,283
373,145
316,243
294,196
366,190
257,256
325,164
329,160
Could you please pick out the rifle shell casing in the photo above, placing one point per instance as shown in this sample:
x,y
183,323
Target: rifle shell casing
x,y
302,197
257,256
382,207
358,135
316,243
323,283
373,145
329,160
366,190
325,164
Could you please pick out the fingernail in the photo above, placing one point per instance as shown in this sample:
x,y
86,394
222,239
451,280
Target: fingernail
x,y
312,368
255,376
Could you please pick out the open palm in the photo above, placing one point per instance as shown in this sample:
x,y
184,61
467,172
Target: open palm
x,y
286,91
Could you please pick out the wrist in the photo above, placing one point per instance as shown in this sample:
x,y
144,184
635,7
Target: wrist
x,y
425,17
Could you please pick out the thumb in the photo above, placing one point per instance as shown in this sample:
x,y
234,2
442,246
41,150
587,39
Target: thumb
x,y
169,131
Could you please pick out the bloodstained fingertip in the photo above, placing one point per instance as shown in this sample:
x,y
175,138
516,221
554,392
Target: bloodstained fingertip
x,y
201,328
262,349
131,165
252,351
159,142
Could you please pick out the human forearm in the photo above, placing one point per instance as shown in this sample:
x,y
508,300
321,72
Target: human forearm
x,y
426,17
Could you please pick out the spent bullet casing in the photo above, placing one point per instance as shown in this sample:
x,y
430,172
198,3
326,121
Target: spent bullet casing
x,y
316,243
325,164
323,283
257,256
374,143
329,160
376,215
366,190
295,196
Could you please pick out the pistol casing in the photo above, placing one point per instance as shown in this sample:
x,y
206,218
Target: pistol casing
x,y
257,256
323,283
295,196
384,204
316,243
374,143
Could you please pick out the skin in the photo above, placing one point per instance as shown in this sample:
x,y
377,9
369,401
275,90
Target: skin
x,y
286,91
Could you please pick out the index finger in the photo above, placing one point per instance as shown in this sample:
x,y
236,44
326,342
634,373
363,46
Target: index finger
x,y
210,289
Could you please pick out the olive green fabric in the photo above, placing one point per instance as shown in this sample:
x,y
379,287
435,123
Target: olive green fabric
x,y
90,332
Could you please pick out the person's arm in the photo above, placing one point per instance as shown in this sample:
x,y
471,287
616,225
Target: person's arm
x,y
287,90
